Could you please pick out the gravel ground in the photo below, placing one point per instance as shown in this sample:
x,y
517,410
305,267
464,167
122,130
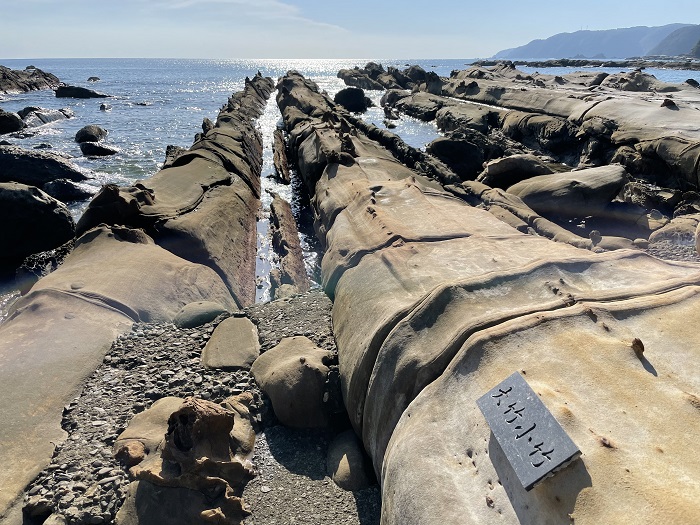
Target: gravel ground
x,y
674,252
87,486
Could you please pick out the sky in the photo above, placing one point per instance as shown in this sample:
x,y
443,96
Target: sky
x,y
309,28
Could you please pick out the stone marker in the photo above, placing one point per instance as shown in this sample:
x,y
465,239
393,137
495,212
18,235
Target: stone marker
x,y
234,344
532,440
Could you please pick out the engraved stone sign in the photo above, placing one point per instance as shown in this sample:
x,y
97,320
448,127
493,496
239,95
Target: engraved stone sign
x,y
532,440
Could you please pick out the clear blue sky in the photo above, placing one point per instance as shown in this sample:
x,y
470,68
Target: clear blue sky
x,y
309,28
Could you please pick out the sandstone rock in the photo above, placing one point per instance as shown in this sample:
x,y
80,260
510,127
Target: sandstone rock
x,y
198,313
233,345
90,133
574,194
681,230
346,462
293,375
353,99
77,92
437,301
357,78
219,177
10,122
507,171
286,244
32,222
171,154
462,156
191,470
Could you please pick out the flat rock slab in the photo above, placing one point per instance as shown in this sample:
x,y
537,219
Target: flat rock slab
x,y
234,344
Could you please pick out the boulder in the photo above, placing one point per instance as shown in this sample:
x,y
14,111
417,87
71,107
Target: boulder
x,y
416,73
35,168
32,222
90,133
93,79
574,194
10,122
293,375
95,149
198,313
346,463
353,99
77,92
233,345
358,78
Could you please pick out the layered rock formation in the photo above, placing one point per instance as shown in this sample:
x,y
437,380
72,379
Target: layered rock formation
x,y
437,301
117,275
203,205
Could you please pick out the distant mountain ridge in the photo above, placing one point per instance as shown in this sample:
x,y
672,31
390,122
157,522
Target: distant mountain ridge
x,y
680,42
609,43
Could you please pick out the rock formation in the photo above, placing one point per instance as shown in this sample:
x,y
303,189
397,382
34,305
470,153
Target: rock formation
x,y
436,302
10,122
279,152
291,277
77,92
189,461
29,79
117,275
219,176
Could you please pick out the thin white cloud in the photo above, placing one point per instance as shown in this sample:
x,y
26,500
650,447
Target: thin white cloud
x,y
264,9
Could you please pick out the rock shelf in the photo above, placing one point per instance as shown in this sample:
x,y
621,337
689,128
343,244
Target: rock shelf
x,y
437,301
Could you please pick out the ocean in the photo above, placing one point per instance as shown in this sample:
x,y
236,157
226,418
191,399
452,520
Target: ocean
x,y
158,102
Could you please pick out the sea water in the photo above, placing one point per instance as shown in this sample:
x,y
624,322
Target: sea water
x,y
157,102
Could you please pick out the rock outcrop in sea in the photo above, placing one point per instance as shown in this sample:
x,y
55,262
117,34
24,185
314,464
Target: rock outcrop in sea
x,y
29,79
